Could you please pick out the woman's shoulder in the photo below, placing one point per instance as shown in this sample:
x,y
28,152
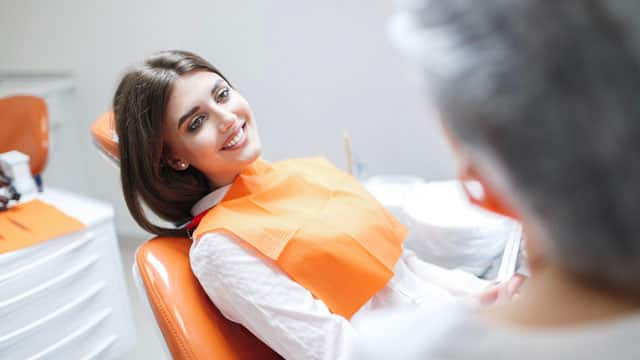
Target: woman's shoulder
x,y
220,252
212,249
214,243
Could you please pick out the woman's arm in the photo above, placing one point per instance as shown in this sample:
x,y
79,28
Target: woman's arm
x,y
251,290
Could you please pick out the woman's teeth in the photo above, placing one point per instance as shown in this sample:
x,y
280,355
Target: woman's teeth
x,y
235,139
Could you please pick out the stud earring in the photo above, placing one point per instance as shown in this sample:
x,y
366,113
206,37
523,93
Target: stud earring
x,y
181,165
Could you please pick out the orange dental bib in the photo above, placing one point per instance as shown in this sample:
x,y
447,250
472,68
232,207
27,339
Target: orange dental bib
x,y
318,224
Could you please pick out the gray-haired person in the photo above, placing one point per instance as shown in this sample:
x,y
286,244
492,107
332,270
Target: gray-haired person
x,y
541,101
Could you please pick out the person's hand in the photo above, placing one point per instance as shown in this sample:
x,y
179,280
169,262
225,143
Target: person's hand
x,y
502,292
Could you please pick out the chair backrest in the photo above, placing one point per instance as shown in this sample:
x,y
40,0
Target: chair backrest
x,y
24,126
103,131
192,327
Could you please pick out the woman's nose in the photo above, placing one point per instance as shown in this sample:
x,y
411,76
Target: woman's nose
x,y
227,121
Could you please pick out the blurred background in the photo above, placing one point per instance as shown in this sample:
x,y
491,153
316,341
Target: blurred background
x,y
310,70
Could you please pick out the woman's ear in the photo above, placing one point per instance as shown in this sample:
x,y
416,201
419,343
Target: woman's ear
x,y
177,164
174,161
480,192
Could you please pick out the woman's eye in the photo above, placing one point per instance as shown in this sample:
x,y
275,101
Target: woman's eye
x,y
195,124
223,95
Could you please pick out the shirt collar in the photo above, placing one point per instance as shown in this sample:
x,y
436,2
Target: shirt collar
x,y
210,200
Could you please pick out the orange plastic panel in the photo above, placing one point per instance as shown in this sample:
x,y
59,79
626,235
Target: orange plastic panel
x,y
191,325
24,127
104,136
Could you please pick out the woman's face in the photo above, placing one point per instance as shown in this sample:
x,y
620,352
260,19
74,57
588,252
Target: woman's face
x,y
210,126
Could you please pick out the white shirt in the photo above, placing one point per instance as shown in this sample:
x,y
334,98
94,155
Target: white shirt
x,y
454,331
250,289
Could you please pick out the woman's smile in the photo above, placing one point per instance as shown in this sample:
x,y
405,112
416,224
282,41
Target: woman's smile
x,y
237,139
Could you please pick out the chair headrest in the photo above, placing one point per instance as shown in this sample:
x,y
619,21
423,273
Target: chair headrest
x,y
103,131
24,126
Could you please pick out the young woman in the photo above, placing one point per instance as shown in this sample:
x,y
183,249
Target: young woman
x,y
297,251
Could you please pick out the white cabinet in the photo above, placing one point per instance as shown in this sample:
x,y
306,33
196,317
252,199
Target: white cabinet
x,y
66,298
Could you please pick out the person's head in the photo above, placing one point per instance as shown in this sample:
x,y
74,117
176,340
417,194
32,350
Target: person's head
x,y
183,131
542,99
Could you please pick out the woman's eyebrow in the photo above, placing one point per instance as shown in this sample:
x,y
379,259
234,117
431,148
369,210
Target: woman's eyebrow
x,y
194,109
184,117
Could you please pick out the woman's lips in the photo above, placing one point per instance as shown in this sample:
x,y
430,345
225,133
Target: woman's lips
x,y
236,139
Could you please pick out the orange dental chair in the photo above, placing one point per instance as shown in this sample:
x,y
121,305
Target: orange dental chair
x,y
24,127
190,324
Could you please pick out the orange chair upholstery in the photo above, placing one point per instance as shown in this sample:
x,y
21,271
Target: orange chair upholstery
x,y
105,137
192,327
24,126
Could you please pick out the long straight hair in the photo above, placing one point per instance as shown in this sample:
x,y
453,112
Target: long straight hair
x,y
139,106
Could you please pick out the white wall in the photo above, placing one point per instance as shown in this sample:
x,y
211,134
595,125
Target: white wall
x,y
309,69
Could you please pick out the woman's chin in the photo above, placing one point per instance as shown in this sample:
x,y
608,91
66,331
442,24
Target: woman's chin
x,y
255,155
249,155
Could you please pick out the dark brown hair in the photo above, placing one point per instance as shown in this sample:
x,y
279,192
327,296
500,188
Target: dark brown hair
x,y
544,95
139,106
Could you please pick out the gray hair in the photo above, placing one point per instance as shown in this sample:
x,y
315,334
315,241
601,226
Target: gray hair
x,y
547,93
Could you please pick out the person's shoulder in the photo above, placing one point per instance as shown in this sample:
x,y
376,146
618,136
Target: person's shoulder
x,y
202,243
206,247
223,253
